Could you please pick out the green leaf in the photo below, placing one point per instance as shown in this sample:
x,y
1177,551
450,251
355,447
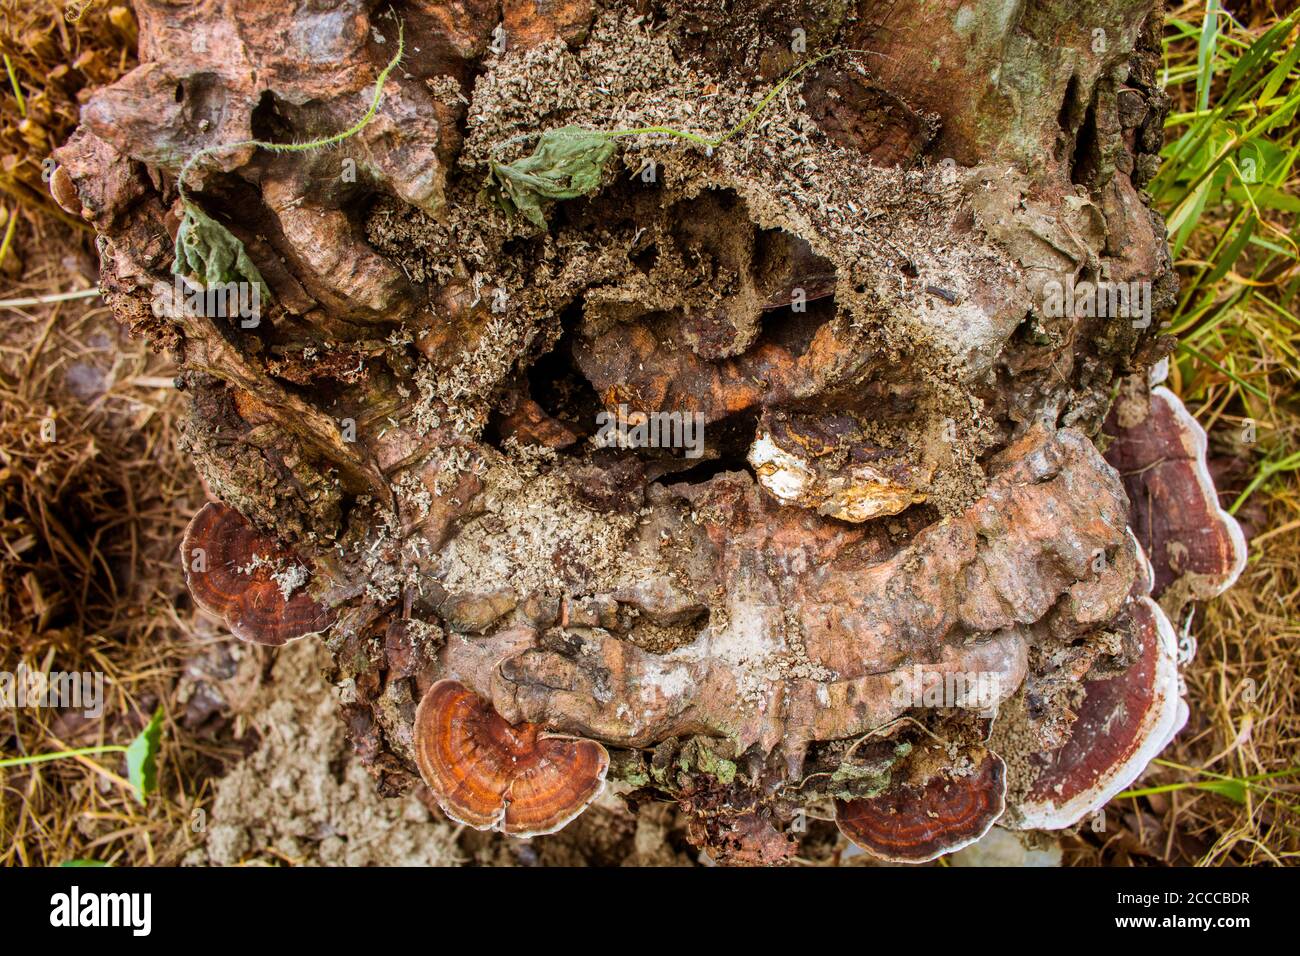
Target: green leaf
x,y
568,162
1271,163
1234,790
207,252
1266,197
1230,255
1247,69
77,863
1283,70
142,758
1183,219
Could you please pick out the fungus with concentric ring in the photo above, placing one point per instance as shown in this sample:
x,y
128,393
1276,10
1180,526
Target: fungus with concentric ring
x,y
248,579
491,775
1123,722
1197,549
918,822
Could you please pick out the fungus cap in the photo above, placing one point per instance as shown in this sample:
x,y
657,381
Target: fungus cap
x,y
488,774
1193,544
916,824
1123,722
248,579
64,191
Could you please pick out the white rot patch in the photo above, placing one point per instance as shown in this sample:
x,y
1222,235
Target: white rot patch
x,y
857,494
786,477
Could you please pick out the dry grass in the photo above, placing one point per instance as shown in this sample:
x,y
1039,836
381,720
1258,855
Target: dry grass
x,y
93,494
1242,687
89,524
54,62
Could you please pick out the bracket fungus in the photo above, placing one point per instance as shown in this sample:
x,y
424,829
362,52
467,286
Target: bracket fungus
x,y
1122,723
1197,550
918,822
248,579
898,509
489,774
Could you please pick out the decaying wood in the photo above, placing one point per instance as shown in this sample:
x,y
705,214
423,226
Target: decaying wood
x,y
898,476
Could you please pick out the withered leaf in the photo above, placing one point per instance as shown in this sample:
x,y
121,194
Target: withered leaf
x,y
207,252
567,163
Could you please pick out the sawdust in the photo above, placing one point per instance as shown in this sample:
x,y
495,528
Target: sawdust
x,y
1016,739
535,537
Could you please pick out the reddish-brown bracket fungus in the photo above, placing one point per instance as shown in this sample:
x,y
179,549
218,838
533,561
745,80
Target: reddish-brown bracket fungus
x,y
248,579
489,774
918,822
1123,722
1197,549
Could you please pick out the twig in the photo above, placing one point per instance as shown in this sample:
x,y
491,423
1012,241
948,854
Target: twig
x,y
80,752
48,299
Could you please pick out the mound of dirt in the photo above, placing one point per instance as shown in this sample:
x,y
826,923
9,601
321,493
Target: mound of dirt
x,y
302,796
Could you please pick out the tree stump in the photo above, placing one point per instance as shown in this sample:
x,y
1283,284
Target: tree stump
x,y
773,467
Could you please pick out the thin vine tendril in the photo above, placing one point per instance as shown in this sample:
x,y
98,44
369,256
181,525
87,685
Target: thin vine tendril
x,y
321,143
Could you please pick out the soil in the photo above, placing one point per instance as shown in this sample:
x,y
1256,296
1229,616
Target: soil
x,y
301,796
